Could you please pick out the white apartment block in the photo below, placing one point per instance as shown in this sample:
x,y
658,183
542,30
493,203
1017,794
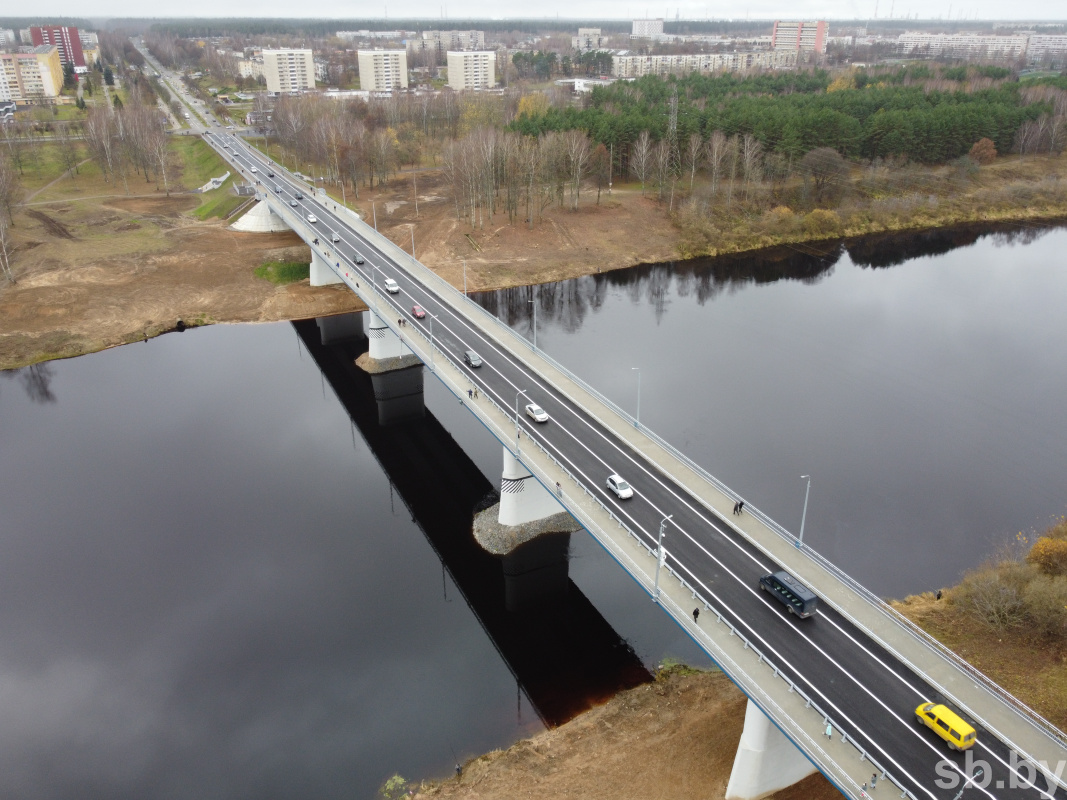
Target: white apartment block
x,y
288,70
88,38
471,69
963,45
647,28
803,37
383,70
7,38
636,66
443,41
1044,47
588,39
250,68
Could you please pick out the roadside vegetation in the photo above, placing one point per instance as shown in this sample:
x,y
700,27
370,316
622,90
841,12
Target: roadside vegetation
x,y
282,272
1008,617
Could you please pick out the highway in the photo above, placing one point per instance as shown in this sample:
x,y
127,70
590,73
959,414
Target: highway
x,y
871,696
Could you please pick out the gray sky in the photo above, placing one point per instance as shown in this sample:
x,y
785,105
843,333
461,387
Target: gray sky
x,y
398,9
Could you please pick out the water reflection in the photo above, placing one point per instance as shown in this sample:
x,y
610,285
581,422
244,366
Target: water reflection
x,y
36,381
562,652
567,304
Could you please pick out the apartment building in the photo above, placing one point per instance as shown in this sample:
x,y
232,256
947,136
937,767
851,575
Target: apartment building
x,y
471,70
963,45
1044,48
647,28
251,68
443,41
588,39
288,70
34,77
636,66
802,37
7,38
383,70
64,37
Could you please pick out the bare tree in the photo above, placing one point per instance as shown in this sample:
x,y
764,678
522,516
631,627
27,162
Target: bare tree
x,y
751,153
694,153
661,165
577,149
10,194
641,158
714,156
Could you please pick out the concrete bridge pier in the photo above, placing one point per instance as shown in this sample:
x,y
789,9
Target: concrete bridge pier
x,y
396,374
321,274
531,530
766,761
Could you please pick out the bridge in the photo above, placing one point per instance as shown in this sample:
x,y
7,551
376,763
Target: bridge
x,y
836,692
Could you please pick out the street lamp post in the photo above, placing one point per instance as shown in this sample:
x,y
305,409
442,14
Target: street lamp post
x,y
517,395
432,318
374,211
464,277
659,555
637,419
804,515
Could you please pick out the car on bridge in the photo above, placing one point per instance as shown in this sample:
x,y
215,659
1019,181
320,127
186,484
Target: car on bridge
x,y
621,488
536,413
299,195
418,312
254,169
312,219
391,286
471,359
293,203
336,236
270,173
358,258
796,597
947,724
277,189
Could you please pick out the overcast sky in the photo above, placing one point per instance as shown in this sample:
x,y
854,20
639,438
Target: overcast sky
x,y
398,9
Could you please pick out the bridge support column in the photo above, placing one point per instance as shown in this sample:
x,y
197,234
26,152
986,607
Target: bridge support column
x,y
387,351
766,760
526,511
321,274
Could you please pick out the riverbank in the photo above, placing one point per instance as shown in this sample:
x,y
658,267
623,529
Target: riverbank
x,y
672,738
97,269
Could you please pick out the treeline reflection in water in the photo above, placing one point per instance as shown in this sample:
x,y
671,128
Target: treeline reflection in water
x,y
568,303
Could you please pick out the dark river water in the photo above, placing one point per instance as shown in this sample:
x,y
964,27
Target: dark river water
x,y
220,577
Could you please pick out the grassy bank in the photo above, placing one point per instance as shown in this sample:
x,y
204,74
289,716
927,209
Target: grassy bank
x,y
1008,618
282,272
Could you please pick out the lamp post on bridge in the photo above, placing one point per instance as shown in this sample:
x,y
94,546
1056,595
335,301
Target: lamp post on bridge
x,y
804,515
517,418
464,277
432,318
659,555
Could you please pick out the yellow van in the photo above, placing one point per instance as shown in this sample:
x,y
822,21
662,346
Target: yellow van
x,y
947,724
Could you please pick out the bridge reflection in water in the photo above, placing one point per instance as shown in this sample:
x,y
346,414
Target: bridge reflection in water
x,y
564,655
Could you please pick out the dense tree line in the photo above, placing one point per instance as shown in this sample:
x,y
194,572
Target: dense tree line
x,y
792,114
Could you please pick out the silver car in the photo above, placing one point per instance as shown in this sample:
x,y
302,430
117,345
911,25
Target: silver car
x,y
622,489
536,413
392,286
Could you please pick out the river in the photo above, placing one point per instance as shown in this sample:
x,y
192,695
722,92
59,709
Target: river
x,y
220,578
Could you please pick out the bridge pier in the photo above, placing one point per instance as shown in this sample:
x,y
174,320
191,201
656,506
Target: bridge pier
x,y
321,274
387,350
766,760
525,512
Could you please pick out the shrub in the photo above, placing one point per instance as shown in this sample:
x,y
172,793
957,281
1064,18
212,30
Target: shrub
x,y
1046,605
984,151
1049,555
994,594
821,222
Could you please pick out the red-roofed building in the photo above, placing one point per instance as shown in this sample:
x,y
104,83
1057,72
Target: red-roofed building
x,y
66,39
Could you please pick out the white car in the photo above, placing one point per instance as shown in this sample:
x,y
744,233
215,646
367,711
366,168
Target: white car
x,y
254,169
536,413
312,218
622,489
392,286
336,237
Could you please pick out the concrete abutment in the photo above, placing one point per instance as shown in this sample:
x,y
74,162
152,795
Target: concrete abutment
x,y
766,761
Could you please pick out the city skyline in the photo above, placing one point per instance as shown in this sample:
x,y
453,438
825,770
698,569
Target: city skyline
x,y
902,10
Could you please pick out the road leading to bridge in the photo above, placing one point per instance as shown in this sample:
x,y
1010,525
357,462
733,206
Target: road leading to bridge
x,y
866,690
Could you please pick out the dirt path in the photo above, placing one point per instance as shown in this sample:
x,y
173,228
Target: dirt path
x,y
53,183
